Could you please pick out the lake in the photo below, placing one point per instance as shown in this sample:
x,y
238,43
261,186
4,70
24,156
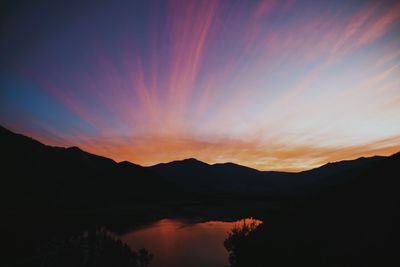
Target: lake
x,y
179,242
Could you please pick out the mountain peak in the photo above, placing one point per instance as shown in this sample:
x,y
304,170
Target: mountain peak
x,y
188,161
128,164
192,160
75,148
183,162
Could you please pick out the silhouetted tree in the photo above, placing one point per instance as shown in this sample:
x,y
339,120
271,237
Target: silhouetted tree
x,y
144,257
235,242
92,249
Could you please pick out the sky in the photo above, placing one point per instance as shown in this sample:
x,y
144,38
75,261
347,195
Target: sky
x,y
274,85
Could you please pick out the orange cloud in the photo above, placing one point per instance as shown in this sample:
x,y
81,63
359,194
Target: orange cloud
x,y
255,153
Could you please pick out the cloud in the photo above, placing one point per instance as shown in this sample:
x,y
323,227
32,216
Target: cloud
x,y
269,84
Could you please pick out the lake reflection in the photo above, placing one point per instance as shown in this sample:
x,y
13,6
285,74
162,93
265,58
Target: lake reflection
x,y
184,243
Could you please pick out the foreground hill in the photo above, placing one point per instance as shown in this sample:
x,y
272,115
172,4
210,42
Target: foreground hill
x,y
37,176
350,224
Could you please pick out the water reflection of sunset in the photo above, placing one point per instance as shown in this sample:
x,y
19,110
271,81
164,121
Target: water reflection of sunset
x,y
181,243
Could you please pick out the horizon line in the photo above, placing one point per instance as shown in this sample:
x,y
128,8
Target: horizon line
x,y
193,158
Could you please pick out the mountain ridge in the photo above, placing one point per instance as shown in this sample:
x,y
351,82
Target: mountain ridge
x,y
179,161
187,175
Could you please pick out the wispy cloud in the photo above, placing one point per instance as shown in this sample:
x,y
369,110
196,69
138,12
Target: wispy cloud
x,y
274,85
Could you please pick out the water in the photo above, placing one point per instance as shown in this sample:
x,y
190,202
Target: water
x,y
181,243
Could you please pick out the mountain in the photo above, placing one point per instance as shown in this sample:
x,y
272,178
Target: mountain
x,y
37,176
352,223
195,176
41,176
341,214
328,175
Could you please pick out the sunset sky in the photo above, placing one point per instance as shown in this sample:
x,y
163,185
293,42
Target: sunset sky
x,y
274,85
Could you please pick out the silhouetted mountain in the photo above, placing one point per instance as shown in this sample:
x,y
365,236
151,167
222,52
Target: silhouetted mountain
x,y
36,176
43,176
328,175
196,176
349,224
329,216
